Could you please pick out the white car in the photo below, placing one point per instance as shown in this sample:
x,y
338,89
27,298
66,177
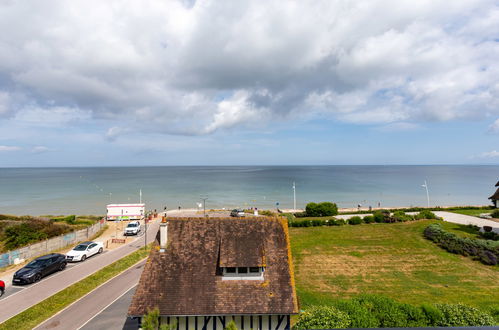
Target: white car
x,y
84,250
133,228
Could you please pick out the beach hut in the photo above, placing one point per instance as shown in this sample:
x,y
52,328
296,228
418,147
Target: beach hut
x,y
494,198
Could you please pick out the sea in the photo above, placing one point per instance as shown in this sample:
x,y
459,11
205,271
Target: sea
x,y
87,190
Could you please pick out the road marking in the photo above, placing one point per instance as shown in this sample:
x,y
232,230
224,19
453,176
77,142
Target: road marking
x,y
103,309
74,302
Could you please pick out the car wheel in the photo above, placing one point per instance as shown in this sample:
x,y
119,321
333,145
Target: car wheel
x,y
37,278
1,292
83,257
100,250
62,266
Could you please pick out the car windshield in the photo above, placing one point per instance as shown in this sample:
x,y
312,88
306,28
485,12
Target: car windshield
x,y
37,263
80,247
132,225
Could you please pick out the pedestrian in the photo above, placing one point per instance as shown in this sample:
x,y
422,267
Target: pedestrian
x,y
179,207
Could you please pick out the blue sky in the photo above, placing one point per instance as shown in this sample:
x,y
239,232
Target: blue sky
x,y
236,83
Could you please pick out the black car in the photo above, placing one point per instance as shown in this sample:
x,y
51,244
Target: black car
x,y
39,268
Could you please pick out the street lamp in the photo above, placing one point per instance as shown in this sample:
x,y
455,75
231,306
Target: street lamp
x,y
425,185
204,205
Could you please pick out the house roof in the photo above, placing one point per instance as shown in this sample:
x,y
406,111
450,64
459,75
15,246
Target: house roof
x,y
495,196
497,184
186,278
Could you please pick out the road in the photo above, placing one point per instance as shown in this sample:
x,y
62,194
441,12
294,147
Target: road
x,y
19,301
105,302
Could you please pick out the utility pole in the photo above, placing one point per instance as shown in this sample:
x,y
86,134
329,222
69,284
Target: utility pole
x,y
204,205
294,196
145,232
425,185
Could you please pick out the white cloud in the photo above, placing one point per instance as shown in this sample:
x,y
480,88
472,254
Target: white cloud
x,y
197,67
9,148
490,154
39,149
494,128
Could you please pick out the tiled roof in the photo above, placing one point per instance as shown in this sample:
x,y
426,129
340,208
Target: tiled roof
x,y
185,279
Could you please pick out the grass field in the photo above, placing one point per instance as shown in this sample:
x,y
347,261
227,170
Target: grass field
x,y
389,259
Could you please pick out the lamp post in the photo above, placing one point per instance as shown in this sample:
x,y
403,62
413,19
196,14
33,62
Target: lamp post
x,y
425,185
204,205
294,196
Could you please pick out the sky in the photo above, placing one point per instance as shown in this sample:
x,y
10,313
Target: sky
x,y
146,82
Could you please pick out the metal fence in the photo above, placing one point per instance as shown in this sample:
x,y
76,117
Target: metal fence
x,y
49,245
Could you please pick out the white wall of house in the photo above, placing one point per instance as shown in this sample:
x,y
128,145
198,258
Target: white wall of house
x,y
243,322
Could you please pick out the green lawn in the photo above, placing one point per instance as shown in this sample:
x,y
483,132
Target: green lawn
x,y
389,259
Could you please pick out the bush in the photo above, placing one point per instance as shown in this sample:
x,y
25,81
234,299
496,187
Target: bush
x,y
322,317
495,214
355,220
321,210
426,214
401,216
381,216
489,235
461,316
485,251
368,219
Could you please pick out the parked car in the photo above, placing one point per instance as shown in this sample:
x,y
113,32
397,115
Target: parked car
x,y
237,213
133,228
84,250
39,268
2,288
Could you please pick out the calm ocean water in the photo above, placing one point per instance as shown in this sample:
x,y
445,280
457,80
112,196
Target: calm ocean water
x,y
39,191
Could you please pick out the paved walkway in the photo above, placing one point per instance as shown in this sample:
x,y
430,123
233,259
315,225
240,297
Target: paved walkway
x,y
447,216
35,293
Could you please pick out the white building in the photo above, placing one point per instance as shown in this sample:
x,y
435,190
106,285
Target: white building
x,y
125,211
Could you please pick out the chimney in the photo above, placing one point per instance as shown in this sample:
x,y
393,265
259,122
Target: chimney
x,y
163,235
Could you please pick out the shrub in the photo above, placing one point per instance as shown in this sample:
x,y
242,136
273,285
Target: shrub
x,y
322,317
381,216
426,214
460,316
355,220
360,316
321,210
489,235
368,219
495,214
401,216
433,315
266,213
485,251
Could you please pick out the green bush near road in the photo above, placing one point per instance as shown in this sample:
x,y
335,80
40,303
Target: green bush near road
x,y
38,313
322,317
323,209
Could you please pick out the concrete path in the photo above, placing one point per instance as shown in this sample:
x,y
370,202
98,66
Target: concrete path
x,y
447,216
82,311
467,219
35,293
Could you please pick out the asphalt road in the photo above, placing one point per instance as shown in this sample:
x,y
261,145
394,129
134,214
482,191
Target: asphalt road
x,y
114,316
106,303
14,303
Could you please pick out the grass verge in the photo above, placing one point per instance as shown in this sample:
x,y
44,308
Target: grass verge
x,y
394,260
38,313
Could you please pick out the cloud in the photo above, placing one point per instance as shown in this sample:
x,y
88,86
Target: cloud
x,y
490,154
171,67
39,149
494,128
9,148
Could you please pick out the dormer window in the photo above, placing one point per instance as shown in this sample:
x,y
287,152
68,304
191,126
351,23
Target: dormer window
x,y
242,273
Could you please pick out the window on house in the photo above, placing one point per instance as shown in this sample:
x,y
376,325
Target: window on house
x,y
254,269
242,270
230,270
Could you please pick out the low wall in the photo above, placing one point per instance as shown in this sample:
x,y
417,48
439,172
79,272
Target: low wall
x,y
51,244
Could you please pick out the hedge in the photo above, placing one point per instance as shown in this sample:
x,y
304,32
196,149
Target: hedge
x,y
487,251
373,311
